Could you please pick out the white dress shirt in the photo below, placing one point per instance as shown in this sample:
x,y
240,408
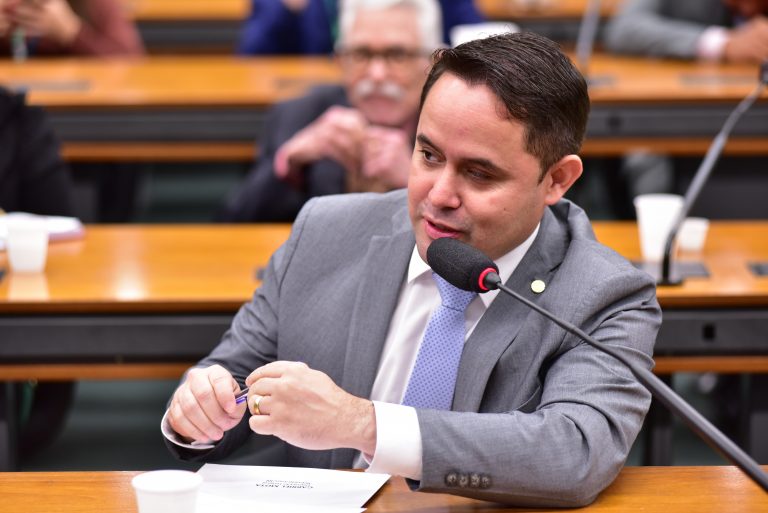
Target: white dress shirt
x,y
398,435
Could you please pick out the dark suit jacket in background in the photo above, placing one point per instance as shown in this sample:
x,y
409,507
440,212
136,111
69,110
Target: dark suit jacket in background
x,y
264,197
33,178
663,28
273,29
547,418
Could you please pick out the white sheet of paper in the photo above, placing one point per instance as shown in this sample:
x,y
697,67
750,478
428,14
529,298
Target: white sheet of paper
x,y
285,489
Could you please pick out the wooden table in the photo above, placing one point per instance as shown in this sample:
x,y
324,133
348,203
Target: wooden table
x,y
556,19
144,301
163,108
237,10
126,283
126,271
717,323
189,26
647,489
126,302
211,108
202,25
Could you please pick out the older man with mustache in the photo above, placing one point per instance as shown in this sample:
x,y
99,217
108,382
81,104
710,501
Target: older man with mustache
x,y
354,137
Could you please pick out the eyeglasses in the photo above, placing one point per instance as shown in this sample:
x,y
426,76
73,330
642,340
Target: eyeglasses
x,y
394,56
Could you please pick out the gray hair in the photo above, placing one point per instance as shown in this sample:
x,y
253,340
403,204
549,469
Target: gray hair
x,y
427,15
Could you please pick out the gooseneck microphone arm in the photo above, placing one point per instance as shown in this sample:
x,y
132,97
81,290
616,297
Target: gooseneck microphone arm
x,y
585,40
698,424
467,268
703,173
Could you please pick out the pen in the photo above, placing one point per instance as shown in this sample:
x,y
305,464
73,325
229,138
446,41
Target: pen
x,y
19,45
241,396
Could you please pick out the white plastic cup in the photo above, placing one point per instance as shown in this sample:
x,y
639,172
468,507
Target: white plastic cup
x,y
464,33
655,215
27,242
167,491
693,234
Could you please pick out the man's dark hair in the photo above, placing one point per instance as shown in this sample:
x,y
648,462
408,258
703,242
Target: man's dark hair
x,y
536,82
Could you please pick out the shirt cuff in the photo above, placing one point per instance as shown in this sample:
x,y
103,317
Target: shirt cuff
x,y
398,441
711,43
174,437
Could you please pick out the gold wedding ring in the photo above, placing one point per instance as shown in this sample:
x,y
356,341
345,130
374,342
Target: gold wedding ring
x,y
255,400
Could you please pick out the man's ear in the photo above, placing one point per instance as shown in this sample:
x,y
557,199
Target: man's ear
x,y
560,176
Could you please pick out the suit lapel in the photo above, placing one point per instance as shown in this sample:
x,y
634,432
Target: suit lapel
x,y
502,321
387,260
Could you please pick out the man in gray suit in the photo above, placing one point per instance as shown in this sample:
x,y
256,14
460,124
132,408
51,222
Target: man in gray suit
x,y
730,30
327,344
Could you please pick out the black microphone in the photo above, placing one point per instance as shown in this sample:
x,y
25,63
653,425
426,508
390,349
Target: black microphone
x,y
702,175
468,268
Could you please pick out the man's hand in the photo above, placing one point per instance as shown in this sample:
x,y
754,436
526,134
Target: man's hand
x,y
307,409
749,42
387,156
5,21
339,134
53,19
295,5
204,407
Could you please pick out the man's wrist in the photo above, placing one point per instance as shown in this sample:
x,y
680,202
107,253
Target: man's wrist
x,y
365,431
171,435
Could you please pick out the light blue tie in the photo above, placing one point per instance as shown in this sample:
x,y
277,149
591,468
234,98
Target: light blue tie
x,y
433,378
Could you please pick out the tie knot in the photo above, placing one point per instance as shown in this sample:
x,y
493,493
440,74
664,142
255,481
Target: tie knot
x,y
453,297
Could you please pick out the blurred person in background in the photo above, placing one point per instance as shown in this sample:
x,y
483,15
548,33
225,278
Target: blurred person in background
x,y
728,30
34,179
352,137
68,27
85,28
705,30
310,27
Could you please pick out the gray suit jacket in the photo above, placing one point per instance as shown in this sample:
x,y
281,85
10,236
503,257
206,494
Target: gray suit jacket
x,y
539,418
663,28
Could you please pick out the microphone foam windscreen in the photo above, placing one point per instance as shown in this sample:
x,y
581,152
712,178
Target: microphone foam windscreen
x,y
458,263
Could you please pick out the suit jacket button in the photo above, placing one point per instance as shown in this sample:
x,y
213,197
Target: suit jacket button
x,y
463,480
474,480
485,481
451,479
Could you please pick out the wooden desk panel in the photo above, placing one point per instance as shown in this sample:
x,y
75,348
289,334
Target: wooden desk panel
x,y
187,10
563,10
177,103
246,152
729,247
627,80
165,81
203,267
152,268
647,489
237,10
71,84
213,26
137,286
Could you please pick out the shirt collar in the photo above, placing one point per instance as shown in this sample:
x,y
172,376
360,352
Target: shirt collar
x,y
507,264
